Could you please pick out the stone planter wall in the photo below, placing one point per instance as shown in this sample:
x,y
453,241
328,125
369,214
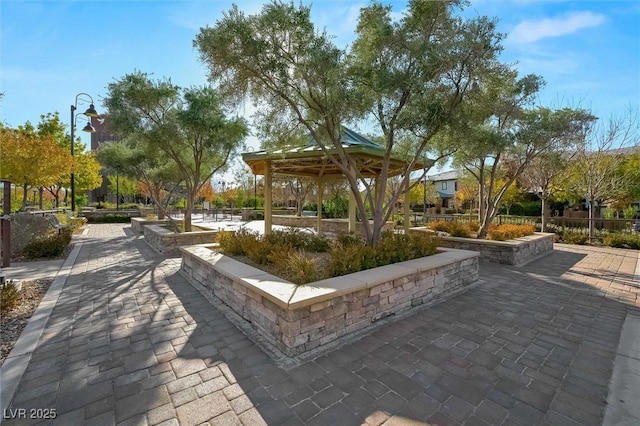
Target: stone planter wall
x,y
297,319
164,241
516,252
102,213
138,223
331,228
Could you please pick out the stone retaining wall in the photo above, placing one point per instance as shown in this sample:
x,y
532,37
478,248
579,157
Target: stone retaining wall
x,y
102,213
297,319
331,228
516,252
138,223
164,241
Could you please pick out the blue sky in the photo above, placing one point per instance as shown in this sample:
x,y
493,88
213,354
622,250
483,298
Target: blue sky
x,y
587,51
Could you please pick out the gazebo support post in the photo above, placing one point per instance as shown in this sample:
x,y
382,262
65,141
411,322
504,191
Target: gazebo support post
x,y
319,201
407,199
352,206
267,198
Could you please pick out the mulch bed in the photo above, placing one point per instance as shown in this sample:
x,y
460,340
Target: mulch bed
x,y
13,322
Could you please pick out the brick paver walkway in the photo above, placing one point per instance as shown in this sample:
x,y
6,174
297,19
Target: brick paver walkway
x,y
130,341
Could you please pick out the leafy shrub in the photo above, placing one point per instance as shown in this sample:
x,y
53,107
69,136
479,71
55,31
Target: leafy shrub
x,y
26,228
175,225
629,212
298,239
260,250
9,297
573,237
356,256
628,241
509,231
349,258
473,226
110,218
50,246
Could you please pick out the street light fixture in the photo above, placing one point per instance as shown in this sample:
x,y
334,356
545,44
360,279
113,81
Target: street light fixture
x,y
90,112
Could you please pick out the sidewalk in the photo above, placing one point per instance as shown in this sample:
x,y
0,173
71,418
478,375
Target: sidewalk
x,y
130,341
28,271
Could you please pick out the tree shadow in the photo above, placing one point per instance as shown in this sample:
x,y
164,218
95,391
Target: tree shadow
x,y
134,334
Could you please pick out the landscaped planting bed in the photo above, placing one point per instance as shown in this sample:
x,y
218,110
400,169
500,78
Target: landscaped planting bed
x,y
138,223
331,228
516,252
166,241
300,318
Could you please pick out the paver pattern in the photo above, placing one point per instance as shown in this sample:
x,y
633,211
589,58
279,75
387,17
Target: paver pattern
x,y
131,342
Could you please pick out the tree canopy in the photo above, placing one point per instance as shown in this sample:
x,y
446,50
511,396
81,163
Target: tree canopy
x,y
408,76
189,126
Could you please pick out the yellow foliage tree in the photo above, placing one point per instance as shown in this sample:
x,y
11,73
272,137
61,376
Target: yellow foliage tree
x,y
29,159
207,192
87,172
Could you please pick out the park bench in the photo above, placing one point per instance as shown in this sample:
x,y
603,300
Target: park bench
x,y
55,222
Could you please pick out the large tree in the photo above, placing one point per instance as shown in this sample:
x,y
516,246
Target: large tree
x,y
407,76
158,176
30,159
189,126
505,131
86,167
541,177
597,172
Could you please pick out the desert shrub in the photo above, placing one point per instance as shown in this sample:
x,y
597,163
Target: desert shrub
x,y
26,228
453,228
295,266
509,231
440,225
9,297
349,239
260,249
424,245
50,246
457,229
317,244
236,243
628,241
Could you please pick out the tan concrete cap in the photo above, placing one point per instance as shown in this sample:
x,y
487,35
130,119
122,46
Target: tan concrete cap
x,y
275,289
319,291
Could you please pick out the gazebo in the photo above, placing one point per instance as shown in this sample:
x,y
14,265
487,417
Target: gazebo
x,y
310,160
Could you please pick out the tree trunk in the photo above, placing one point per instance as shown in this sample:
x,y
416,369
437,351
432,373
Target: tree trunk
x,y
543,225
40,198
24,197
187,212
490,213
591,224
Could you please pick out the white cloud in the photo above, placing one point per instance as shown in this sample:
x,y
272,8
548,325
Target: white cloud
x,y
530,31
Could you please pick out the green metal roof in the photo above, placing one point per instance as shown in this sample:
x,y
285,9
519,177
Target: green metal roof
x,y
310,160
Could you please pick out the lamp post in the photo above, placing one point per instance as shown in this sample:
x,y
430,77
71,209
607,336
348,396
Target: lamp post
x,y
90,112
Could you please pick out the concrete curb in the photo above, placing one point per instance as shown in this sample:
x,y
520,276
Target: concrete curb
x,y
622,408
18,360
